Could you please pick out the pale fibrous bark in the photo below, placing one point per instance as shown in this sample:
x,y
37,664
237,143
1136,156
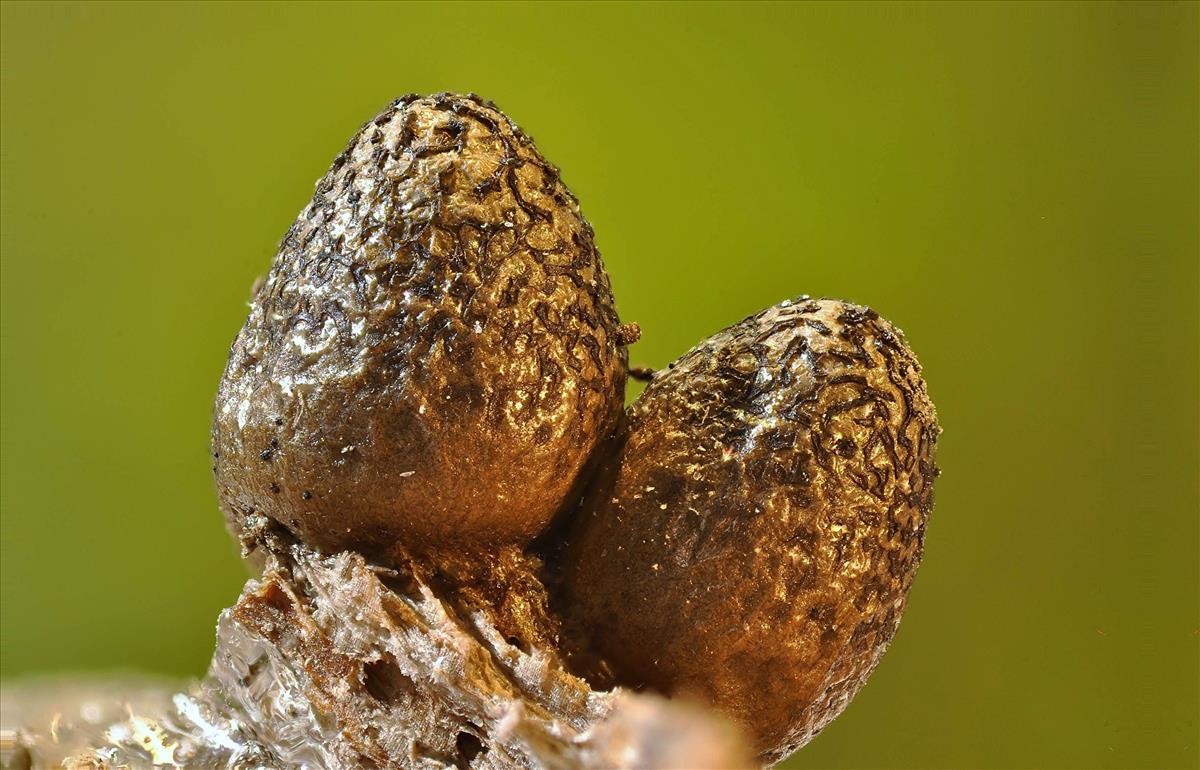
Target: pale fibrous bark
x,y
331,662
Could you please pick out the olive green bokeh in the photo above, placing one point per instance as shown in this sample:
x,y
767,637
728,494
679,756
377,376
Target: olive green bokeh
x,y
1013,185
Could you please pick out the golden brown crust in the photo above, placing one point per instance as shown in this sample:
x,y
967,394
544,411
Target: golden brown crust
x,y
754,535
435,353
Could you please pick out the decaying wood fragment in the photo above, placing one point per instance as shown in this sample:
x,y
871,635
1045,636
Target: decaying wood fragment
x,y
330,662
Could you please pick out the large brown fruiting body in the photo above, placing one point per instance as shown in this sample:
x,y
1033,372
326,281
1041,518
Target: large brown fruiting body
x,y
754,533
435,353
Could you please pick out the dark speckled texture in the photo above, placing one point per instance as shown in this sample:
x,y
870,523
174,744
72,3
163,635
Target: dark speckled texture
x,y
754,534
435,353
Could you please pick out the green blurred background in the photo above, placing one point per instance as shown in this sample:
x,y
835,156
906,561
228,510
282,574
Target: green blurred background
x,y
1014,185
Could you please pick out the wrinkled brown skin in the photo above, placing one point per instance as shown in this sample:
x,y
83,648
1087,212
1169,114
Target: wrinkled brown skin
x,y
435,353
754,534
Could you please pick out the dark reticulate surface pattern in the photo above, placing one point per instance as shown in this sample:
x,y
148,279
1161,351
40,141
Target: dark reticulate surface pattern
x,y
435,353
754,533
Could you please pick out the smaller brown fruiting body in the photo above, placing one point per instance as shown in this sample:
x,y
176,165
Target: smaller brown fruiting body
x,y
753,535
435,353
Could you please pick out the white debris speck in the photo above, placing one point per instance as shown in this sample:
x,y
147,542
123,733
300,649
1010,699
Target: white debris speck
x,y
323,339
210,732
